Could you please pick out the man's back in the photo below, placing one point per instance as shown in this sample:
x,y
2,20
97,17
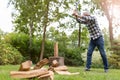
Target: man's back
x,y
92,26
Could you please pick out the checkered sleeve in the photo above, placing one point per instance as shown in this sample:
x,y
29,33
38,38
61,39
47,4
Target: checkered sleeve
x,y
82,21
88,18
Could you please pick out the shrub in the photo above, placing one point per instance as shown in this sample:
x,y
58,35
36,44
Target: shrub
x,y
114,58
114,61
20,41
73,57
9,55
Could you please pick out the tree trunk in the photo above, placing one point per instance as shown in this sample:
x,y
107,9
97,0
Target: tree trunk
x,y
111,31
43,43
44,33
105,6
79,35
30,39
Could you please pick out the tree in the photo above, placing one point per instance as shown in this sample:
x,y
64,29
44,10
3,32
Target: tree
x,y
108,7
34,15
53,14
27,16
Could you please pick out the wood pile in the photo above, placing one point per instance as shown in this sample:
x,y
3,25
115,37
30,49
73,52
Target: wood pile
x,y
25,71
62,70
38,71
56,65
41,63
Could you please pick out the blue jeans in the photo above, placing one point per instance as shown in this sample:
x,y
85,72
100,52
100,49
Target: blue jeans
x,y
99,43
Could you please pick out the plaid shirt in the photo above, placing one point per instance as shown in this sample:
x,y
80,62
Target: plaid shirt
x,y
92,26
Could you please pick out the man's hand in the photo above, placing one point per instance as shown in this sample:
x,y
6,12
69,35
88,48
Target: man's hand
x,y
75,13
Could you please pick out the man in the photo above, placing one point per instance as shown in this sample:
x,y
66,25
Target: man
x,y
96,38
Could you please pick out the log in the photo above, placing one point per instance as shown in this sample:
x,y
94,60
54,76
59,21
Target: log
x,y
45,75
50,76
28,74
61,68
25,66
41,63
66,73
60,60
55,63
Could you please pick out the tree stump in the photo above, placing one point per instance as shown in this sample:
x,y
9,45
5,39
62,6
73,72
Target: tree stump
x,y
56,57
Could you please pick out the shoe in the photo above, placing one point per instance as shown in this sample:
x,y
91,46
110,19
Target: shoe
x,y
106,70
87,69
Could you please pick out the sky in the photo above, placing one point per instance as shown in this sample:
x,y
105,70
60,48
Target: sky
x,y
5,16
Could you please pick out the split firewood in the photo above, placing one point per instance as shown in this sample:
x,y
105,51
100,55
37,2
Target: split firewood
x,y
66,73
55,63
61,68
25,66
51,69
50,75
28,74
43,76
41,63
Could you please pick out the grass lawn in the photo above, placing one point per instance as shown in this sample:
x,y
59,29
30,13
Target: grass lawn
x,y
94,74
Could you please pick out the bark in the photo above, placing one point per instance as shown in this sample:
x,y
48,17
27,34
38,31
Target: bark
x,y
79,36
30,39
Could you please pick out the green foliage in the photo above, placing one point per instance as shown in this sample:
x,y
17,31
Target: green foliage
x,y
49,49
28,12
20,41
39,13
72,57
36,49
106,39
33,15
9,55
114,61
1,33
98,63
114,58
